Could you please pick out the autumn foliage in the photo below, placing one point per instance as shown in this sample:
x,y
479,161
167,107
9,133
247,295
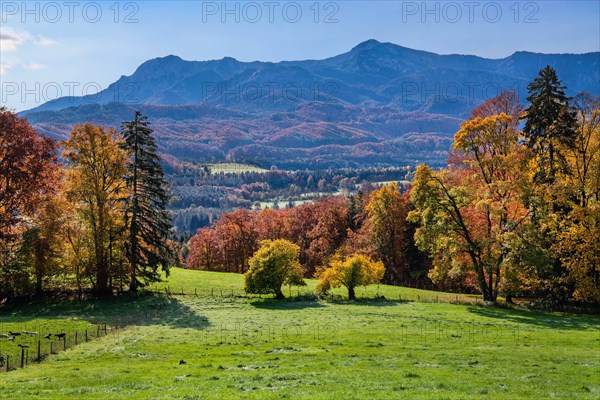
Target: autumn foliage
x,y
515,213
273,265
350,272
63,224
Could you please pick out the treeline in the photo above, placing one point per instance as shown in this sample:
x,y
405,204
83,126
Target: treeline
x,y
373,224
515,212
88,213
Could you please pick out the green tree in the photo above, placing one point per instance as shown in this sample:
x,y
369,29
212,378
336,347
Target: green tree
x,y
356,270
274,264
550,122
147,222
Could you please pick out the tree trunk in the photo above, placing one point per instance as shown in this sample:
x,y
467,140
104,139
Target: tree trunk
x,y
101,279
38,283
279,294
133,285
351,294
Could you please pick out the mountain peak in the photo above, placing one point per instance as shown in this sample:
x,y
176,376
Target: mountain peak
x,y
367,45
161,61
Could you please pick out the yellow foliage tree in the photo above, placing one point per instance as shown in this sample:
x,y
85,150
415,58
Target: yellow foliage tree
x,y
356,270
274,264
97,188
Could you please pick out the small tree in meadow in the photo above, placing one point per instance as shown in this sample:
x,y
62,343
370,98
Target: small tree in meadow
x,y
274,264
357,270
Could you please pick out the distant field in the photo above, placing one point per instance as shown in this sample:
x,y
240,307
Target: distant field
x,y
225,346
233,168
305,198
383,183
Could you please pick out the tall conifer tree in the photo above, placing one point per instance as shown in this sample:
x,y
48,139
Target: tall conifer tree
x,y
550,122
147,221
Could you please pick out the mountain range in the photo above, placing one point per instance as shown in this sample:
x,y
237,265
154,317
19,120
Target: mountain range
x,y
377,104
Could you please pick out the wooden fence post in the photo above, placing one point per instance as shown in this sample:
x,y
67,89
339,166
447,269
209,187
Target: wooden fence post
x,y
22,357
65,342
39,351
7,362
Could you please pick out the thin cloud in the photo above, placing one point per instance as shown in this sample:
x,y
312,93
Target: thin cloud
x,y
11,39
44,41
34,67
4,68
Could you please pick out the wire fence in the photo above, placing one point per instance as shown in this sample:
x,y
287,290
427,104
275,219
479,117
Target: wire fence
x,y
299,293
20,349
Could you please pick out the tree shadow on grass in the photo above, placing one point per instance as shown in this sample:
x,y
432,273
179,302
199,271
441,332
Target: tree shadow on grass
x,y
298,304
371,302
144,309
288,304
537,318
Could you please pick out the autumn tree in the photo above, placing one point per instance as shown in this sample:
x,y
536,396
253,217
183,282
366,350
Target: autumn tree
x,y
96,186
274,224
387,209
28,175
577,226
204,251
147,222
506,102
273,265
329,230
28,168
238,238
350,272
583,157
78,244
43,244
468,213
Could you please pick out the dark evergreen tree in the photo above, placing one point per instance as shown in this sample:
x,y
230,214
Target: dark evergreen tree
x,y
147,222
550,121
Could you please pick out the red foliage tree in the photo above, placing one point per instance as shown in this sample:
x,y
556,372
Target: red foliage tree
x,y
27,173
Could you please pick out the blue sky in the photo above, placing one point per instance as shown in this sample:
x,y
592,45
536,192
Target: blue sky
x,y
59,48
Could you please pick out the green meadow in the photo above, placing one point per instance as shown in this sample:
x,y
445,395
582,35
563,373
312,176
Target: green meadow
x,y
215,342
233,168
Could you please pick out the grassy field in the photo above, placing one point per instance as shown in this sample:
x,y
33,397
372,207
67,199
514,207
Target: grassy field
x,y
233,168
233,347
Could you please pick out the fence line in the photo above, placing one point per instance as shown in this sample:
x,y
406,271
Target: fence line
x,y
300,294
30,349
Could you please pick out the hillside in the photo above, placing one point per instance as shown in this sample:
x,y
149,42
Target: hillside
x,y
379,103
